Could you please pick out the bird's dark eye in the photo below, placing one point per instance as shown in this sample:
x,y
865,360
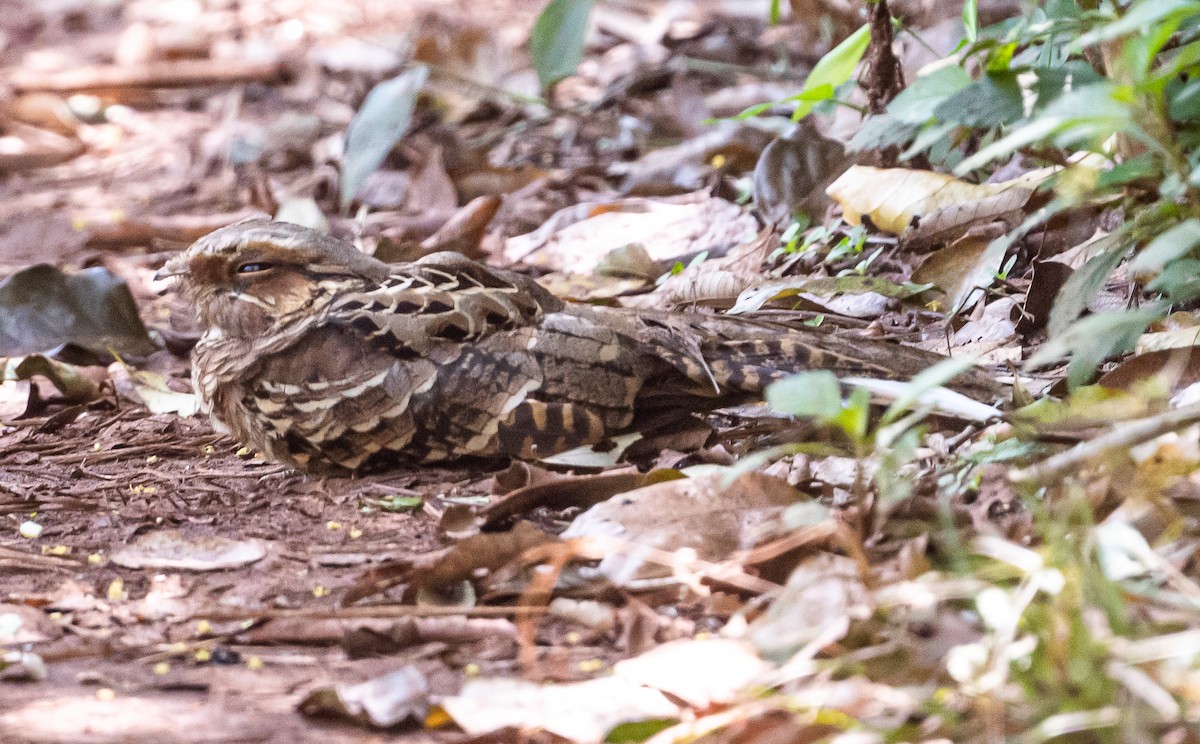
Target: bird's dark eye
x,y
253,267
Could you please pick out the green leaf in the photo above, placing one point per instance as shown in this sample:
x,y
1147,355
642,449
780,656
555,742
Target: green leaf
x,y
1090,114
1054,81
638,730
755,110
1184,104
815,94
1141,16
377,127
991,101
556,44
916,103
1000,58
1063,10
1170,245
1180,280
855,417
880,132
932,137
1079,289
814,395
1093,339
1143,166
834,68
1179,61
392,503
970,17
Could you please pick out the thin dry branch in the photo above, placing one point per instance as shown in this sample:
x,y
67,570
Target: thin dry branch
x,y
182,73
1054,468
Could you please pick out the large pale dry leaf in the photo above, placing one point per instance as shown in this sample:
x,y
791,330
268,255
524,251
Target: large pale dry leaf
x,y
953,268
893,197
15,398
754,298
173,550
717,288
75,386
707,515
589,287
823,595
1176,338
580,712
714,282
576,238
152,390
548,490
382,702
1177,368
699,672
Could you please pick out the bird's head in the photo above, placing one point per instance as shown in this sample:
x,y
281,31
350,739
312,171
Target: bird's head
x,y
246,278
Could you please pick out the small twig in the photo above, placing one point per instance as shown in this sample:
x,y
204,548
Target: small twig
x,y
362,613
182,73
1053,468
78,458
122,230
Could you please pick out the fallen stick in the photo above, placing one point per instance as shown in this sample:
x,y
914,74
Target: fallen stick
x,y
180,73
109,231
25,147
1123,437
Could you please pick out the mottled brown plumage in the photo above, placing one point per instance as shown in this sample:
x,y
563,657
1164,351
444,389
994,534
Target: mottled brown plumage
x,y
329,360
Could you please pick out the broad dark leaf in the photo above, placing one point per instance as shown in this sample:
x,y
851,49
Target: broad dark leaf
x,y
1053,82
41,309
916,103
990,101
1185,103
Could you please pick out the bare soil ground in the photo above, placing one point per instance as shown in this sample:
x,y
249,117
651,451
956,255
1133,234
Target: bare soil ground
x,y
127,657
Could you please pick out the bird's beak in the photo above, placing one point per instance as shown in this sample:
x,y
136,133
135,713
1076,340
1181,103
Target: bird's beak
x,y
173,267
